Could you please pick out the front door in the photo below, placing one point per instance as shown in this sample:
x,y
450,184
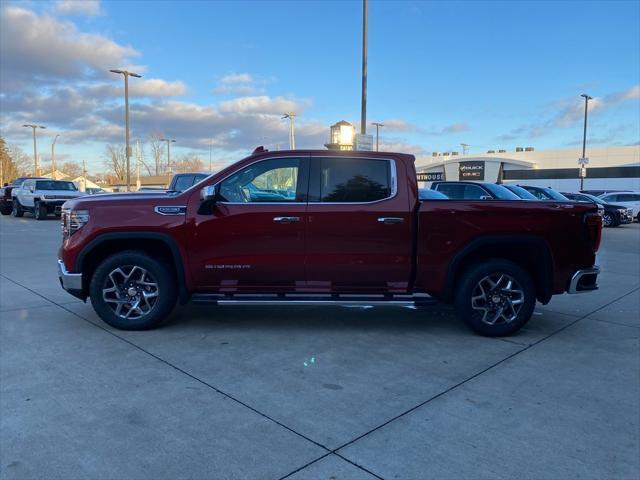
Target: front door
x,y
253,240
359,233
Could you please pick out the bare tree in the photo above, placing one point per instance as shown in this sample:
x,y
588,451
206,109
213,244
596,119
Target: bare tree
x,y
157,152
115,161
14,162
71,169
189,162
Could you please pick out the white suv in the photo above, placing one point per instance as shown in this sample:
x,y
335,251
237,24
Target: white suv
x,y
626,199
42,196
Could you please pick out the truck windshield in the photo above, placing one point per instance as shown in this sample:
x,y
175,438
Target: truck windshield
x,y
55,185
501,192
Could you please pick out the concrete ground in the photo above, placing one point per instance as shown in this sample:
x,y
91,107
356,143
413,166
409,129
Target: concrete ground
x,y
315,393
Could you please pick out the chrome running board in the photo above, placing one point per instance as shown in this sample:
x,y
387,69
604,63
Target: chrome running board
x,y
307,300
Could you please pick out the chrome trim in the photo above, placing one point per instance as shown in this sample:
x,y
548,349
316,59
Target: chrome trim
x,y
70,281
393,174
575,279
342,303
286,219
390,220
183,209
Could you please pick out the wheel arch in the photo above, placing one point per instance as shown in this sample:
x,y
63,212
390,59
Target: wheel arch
x,y
530,252
155,244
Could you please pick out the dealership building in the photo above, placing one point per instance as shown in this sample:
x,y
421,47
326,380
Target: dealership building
x,y
616,168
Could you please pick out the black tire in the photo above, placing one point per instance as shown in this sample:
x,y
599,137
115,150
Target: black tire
x,y
468,287
17,210
608,220
39,210
6,210
158,271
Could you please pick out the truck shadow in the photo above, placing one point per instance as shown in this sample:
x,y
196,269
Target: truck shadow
x,y
314,319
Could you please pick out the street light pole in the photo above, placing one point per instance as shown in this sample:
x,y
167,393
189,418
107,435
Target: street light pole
x,y
363,115
53,157
126,74
169,142
36,166
584,138
292,137
210,152
378,125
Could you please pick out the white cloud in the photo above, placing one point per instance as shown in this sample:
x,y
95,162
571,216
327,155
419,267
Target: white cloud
x,y
261,104
43,49
78,7
239,84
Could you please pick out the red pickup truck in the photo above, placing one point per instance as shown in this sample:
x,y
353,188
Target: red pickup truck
x,y
324,227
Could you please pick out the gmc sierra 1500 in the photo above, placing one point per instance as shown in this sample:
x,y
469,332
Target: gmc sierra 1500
x,y
324,227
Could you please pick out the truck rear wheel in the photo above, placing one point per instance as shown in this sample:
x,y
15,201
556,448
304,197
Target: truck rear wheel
x,y
132,291
17,209
5,210
495,297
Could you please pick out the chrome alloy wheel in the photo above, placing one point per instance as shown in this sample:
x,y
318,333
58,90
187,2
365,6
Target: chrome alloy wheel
x,y
130,291
498,297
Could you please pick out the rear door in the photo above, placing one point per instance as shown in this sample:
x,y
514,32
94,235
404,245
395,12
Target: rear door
x,y
359,230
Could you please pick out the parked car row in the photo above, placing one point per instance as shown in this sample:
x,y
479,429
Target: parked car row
x,y
616,207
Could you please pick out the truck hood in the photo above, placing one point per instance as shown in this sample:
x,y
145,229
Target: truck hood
x,y
117,199
61,194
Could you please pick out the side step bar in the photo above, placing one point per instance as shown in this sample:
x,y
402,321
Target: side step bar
x,y
301,299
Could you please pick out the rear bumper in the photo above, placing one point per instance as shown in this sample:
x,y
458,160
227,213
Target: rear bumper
x,y
584,280
71,282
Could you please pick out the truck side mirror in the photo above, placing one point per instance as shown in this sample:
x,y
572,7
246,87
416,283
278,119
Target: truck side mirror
x,y
208,194
207,200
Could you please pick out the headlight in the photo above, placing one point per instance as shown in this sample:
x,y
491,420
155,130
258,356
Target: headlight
x,y
73,220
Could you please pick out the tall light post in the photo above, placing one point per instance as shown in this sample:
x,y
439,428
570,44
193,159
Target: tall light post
x,y
363,115
292,138
53,156
126,74
583,160
378,125
36,167
169,142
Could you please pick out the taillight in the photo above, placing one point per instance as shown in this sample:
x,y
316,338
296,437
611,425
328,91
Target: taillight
x,y
593,224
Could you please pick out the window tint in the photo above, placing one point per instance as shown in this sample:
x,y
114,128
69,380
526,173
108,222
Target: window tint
x,y
198,177
354,180
268,181
628,197
461,191
54,185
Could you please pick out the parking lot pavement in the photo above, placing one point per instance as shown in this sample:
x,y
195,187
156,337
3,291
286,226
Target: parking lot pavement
x,y
250,392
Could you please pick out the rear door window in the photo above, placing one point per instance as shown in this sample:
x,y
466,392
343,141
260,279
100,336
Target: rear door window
x,y
351,180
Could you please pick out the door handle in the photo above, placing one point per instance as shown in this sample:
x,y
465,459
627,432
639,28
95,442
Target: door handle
x,y
390,220
286,219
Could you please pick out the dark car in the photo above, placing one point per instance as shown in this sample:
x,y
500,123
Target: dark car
x,y
6,202
520,192
612,216
181,181
545,193
427,194
473,191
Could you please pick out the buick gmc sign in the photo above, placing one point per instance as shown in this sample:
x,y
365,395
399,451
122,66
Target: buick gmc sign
x,y
471,170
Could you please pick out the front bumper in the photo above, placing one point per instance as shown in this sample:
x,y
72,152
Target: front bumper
x,y
584,280
71,282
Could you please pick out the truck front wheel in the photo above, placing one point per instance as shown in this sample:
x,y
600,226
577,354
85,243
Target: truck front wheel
x,y
17,209
132,291
495,297
39,211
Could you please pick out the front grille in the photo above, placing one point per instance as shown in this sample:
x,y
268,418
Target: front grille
x,y
58,197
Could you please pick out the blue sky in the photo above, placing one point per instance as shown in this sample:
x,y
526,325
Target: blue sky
x,y
490,74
